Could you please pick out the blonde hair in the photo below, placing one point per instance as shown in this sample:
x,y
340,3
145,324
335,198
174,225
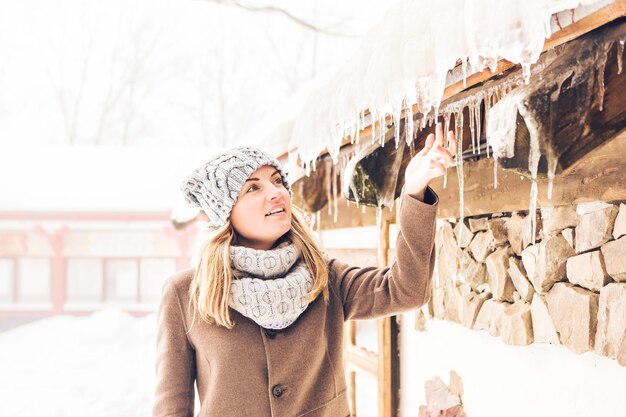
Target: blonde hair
x,y
210,286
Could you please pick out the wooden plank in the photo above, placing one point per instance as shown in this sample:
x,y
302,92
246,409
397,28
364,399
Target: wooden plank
x,y
362,359
598,176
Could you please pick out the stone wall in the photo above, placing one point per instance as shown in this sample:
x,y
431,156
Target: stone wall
x,y
566,286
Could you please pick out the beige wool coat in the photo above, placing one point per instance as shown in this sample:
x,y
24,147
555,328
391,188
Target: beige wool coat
x,y
249,371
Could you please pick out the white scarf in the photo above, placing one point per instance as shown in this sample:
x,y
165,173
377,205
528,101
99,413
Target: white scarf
x,y
271,287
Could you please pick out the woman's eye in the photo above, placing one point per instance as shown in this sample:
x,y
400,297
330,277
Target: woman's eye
x,y
278,180
252,188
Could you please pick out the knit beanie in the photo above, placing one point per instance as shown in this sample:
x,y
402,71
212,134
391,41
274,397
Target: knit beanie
x,y
215,186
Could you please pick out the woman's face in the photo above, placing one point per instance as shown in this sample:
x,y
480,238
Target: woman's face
x,y
262,213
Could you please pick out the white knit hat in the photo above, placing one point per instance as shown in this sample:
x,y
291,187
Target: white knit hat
x,y
215,186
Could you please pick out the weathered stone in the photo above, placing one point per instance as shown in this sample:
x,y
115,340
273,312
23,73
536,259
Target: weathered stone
x,y
586,208
587,270
447,256
621,355
470,304
614,254
463,235
543,327
574,311
437,301
516,326
472,272
481,245
520,282
420,320
478,224
568,234
519,233
530,259
550,264
619,228
611,320
452,301
595,228
555,219
499,230
499,280
489,315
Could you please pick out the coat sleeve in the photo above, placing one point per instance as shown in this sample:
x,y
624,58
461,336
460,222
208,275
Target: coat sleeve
x,y
175,359
371,292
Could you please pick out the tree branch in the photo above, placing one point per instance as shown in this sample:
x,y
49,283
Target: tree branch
x,y
287,14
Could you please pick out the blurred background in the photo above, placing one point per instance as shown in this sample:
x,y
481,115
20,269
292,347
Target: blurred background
x,y
105,106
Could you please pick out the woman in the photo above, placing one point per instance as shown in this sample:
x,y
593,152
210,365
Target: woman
x,y
257,323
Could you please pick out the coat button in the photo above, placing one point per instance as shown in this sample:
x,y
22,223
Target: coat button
x,y
270,334
278,391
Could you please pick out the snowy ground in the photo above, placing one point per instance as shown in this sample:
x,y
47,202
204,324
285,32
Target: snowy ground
x,y
95,366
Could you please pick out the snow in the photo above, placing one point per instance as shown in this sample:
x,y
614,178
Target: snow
x,y
501,380
96,178
406,58
97,366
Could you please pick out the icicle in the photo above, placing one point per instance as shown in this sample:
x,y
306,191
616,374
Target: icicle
x,y
551,171
477,123
495,172
408,124
601,65
533,210
464,67
620,52
327,173
373,124
487,108
396,125
458,123
363,209
471,126
335,199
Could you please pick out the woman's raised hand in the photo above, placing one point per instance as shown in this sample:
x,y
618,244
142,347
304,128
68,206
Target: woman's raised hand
x,y
429,163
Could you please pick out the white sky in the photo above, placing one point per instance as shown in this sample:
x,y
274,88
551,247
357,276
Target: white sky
x,y
177,51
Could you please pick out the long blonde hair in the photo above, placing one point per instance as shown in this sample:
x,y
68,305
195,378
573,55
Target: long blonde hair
x,y
210,286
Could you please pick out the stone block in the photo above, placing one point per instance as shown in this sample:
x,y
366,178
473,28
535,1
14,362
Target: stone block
x,y
463,234
619,228
516,326
481,245
550,263
499,280
478,224
519,232
499,230
555,219
614,254
587,270
595,228
471,271
518,276
437,301
568,234
543,326
611,320
471,303
574,311
489,315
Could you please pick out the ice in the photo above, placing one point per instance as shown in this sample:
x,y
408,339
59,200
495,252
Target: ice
x,y
526,72
620,53
435,34
601,65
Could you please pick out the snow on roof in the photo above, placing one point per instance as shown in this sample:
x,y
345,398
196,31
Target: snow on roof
x,y
103,178
405,60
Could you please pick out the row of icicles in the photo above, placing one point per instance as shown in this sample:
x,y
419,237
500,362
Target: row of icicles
x,y
453,111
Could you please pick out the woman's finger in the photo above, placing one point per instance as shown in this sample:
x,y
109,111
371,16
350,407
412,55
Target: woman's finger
x,y
439,167
430,139
443,155
439,134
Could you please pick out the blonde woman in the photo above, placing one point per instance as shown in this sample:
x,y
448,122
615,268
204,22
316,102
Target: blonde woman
x,y
257,323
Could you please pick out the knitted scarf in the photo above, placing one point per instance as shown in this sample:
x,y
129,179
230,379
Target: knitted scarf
x,y
270,287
